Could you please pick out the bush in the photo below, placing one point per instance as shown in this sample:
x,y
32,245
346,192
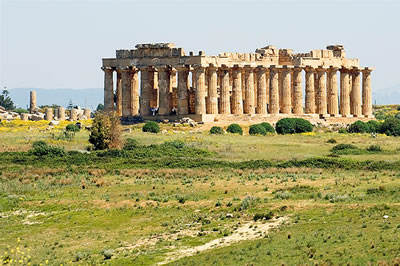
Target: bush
x,y
373,126
268,127
257,130
105,132
108,253
340,147
391,127
21,111
130,144
40,148
234,129
151,127
216,130
358,127
374,148
331,141
72,128
293,125
262,216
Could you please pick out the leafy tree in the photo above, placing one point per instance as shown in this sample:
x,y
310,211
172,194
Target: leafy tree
x,y
6,101
106,131
100,107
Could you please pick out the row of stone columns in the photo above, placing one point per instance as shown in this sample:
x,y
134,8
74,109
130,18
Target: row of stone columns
x,y
60,114
242,90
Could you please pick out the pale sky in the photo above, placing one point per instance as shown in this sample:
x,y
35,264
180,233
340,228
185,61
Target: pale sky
x,y
59,44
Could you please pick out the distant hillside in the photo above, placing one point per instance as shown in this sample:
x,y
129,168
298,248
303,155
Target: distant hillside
x,y
81,97
387,96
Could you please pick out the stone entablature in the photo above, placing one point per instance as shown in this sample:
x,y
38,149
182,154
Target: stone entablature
x,y
269,81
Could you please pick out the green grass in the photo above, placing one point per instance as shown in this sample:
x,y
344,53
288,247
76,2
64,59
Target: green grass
x,y
143,204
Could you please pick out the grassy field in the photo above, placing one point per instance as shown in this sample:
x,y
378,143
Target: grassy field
x,y
259,199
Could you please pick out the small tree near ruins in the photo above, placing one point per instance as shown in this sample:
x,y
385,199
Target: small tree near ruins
x,y
106,131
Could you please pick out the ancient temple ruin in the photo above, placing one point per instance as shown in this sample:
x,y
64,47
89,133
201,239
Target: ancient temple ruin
x,y
159,81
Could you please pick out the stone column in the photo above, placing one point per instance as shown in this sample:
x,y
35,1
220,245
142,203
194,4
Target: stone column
x,y
74,115
333,106
280,86
286,107
118,92
108,89
237,101
321,104
32,105
297,91
249,106
124,92
344,93
134,104
356,93
366,92
200,104
24,117
146,86
212,97
183,89
49,114
163,89
310,91
61,113
274,91
261,90
86,112
225,99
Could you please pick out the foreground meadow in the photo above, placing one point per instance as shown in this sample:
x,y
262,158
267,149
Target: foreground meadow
x,y
185,197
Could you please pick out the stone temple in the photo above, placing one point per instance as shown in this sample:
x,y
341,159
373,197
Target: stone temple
x,y
159,81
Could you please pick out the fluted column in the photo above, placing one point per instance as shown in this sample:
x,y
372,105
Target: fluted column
x,y
183,90
134,92
147,86
344,93
321,104
212,98
124,92
118,93
108,89
200,102
333,106
237,101
286,107
356,93
274,91
249,107
61,113
261,90
310,91
163,88
225,99
366,92
297,91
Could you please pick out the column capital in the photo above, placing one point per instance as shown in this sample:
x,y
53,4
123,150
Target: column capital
x,y
310,69
321,69
248,68
333,69
344,69
182,68
237,67
262,68
146,68
105,69
212,67
367,69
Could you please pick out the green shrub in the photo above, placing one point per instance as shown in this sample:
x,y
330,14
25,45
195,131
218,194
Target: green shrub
x,y
342,131
105,132
235,129
374,148
41,148
108,253
331,141
293,125
262,216
303,125
341,147
358,127
391,126
177,144
72,128
257,130
373,126
130,144
216,130
151,127
21,111
268,127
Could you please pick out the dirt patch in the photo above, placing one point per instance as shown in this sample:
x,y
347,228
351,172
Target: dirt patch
x,y
249,231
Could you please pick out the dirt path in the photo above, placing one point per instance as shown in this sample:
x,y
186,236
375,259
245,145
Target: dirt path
x,y
249,231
